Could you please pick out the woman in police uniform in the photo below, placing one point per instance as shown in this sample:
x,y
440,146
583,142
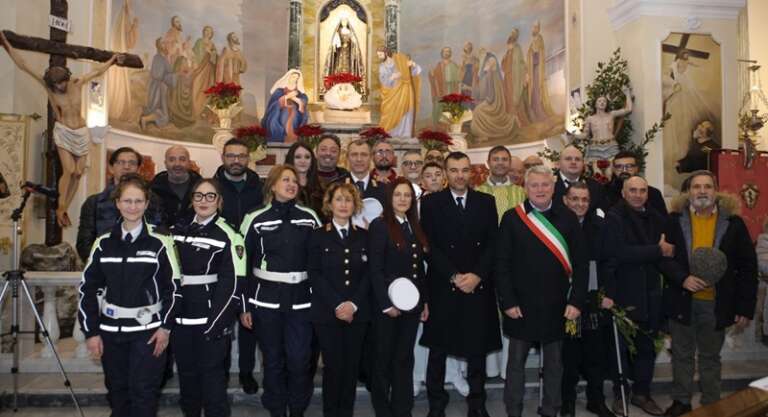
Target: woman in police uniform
x,y
278,291
338,272
397,247
212,259
133,268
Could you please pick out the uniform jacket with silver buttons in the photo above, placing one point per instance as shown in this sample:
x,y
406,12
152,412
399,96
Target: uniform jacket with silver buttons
x,y
130,275
213,249
276,240
389,260
338,272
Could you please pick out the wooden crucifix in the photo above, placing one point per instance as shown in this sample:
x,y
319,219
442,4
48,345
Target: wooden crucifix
x,y
683,46
67,135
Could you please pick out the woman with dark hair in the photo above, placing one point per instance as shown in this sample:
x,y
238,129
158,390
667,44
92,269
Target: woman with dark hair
x,y
397,247
301,156
212,257
132,267
278,291
338,270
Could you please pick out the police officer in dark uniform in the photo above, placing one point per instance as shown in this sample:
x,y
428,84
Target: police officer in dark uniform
x,y
212,257
278,291
338,271
397,248
131,269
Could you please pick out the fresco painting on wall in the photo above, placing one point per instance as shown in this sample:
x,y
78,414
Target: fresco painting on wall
x,y
509,56
692,93
188,46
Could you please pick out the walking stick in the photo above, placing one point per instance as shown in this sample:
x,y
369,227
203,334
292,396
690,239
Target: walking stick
x,y
541,376
620,368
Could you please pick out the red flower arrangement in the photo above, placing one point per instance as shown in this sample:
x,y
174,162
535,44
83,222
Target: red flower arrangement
x,y
434,139
223,95
310,134
254,136
341,78
373,134
455,105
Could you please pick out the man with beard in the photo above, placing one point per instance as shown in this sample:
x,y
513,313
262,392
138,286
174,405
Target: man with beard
x,y
443,80
585,352
570,170
460,225
99,214
624,166
499,185
410,168
637,249
328,151
699,311
241,193
174,185
383,162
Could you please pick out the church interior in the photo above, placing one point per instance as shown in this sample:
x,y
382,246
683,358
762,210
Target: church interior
x,y
679,81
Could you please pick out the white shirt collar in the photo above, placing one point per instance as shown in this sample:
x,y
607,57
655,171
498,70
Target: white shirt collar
x,y
204,222
401,220
135,232
500,184
453,193
339,228
365,179
564,178
545,209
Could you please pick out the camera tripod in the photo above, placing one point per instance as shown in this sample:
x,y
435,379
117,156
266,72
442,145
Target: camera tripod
x,y
14,281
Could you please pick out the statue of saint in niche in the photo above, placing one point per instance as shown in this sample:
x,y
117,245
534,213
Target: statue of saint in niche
x,y
344,53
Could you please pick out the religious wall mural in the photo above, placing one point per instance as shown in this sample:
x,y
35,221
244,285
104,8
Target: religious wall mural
x,y
509,55
692,93
188,46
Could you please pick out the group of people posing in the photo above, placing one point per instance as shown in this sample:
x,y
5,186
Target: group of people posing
x,y
181,260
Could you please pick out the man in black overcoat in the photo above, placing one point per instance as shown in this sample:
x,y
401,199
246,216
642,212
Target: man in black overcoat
x,y
541,274
460,225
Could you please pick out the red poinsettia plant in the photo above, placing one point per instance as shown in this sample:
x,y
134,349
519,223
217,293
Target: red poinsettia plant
x,y
254,136
434,139
374,134
341,78
310,134
456,105
222,95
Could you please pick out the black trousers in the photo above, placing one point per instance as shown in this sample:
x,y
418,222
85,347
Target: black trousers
x,y
392,376
132,374
285,338
638,368
341,345
590,356
202,373
436,393
246,344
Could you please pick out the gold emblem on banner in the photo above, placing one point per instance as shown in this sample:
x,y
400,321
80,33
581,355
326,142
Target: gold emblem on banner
x,y
750,193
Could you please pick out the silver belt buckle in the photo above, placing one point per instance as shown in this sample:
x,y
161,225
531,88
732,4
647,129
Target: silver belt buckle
x,y
144,316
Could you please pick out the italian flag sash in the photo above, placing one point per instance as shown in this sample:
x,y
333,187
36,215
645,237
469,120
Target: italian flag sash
x,y
548,235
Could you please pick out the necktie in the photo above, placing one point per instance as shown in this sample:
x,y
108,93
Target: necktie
x,y
360,186
406,229
460,203
344,233
128,238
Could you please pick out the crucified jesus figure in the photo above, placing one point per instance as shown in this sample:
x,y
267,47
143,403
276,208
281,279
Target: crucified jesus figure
x,y
70,134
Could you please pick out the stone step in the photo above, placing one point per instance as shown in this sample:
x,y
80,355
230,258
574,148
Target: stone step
x,y
48,389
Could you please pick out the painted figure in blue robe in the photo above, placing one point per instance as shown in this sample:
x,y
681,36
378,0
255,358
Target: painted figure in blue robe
x,y
286,109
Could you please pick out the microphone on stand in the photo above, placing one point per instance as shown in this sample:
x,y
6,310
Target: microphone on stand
x,y
40,189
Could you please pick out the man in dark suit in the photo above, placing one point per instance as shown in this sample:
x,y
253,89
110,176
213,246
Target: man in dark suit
x,y
359,160
624,166
460,225
541,274
571,170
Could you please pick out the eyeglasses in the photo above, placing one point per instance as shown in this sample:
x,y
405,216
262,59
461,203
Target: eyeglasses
x,y
234,156
209,197
130,163
624,167
385,152
413,164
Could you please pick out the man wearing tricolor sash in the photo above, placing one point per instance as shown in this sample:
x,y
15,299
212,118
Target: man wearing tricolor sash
x,y
541,279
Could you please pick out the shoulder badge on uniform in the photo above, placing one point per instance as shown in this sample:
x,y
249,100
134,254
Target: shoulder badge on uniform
x,y
600,213
240,250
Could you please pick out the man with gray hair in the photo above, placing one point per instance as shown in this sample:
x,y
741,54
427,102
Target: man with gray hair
x,y
410,168
543,240
701,307
174,186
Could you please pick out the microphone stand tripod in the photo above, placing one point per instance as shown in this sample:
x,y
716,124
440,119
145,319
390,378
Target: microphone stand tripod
x,y
14,280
